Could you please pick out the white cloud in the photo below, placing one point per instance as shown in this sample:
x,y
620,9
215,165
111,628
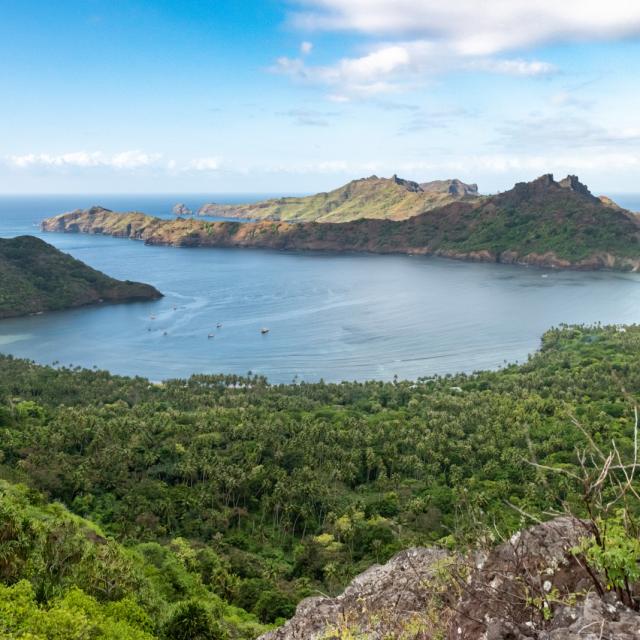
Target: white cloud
x,y
123,162
306,48
556,132
133,159
203,164
513,67
83,159
526,165
395,67
420,37
476,28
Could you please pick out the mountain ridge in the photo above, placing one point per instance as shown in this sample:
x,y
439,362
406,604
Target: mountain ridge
x,y
372,197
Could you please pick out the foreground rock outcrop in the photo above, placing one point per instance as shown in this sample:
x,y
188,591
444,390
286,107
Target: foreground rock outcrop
x,y
529,588
384,599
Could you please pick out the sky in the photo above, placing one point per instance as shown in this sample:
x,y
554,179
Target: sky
x,y
297,96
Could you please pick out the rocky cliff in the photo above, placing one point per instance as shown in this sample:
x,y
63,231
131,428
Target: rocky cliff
x,y
540,223
531,587
374,198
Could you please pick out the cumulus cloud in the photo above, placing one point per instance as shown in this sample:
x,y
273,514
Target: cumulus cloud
x,y
525,166
552,132
476,28
123,161
85,159
393,67
419,37
516,67
522,166
203,164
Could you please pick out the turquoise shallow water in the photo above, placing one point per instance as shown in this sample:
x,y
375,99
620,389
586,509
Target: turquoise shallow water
x,y
334,317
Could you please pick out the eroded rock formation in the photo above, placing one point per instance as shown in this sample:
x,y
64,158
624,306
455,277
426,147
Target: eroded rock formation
x,y
531,587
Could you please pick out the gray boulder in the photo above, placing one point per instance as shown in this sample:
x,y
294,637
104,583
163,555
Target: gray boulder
x,y
378,603
422,594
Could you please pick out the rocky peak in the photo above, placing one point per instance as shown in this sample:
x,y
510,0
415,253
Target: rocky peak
x,y
409,185
573,183
545,186
96,210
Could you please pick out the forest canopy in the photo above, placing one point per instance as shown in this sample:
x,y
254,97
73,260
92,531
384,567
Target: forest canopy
x,y
224,500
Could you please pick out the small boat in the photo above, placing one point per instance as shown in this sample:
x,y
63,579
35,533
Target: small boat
x,y
211,335
165,334
264,330
219,325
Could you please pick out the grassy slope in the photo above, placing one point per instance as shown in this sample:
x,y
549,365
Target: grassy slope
x,y
377,198
34,277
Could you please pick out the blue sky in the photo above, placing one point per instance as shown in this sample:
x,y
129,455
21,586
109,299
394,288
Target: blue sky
x,y
298,96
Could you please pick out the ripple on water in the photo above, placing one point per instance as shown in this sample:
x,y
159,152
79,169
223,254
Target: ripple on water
x,y
13,338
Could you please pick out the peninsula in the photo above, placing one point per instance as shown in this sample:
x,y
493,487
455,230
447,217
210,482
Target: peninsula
x,y
36,277
546,223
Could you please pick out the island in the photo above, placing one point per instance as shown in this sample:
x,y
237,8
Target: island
x,y
545,223
36,277
181,209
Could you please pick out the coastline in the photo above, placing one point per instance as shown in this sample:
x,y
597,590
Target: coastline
x,y
285,236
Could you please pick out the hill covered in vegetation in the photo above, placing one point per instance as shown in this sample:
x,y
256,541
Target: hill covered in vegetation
x,y
36,277
379,198
544,223
227,500
62,578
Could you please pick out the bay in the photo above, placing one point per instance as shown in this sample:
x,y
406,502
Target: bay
x,y
331,317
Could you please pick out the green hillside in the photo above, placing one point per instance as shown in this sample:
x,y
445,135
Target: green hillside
x,y
36,277
379,198
62,578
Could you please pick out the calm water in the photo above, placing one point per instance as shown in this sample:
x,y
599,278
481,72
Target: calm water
x,y
337,317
